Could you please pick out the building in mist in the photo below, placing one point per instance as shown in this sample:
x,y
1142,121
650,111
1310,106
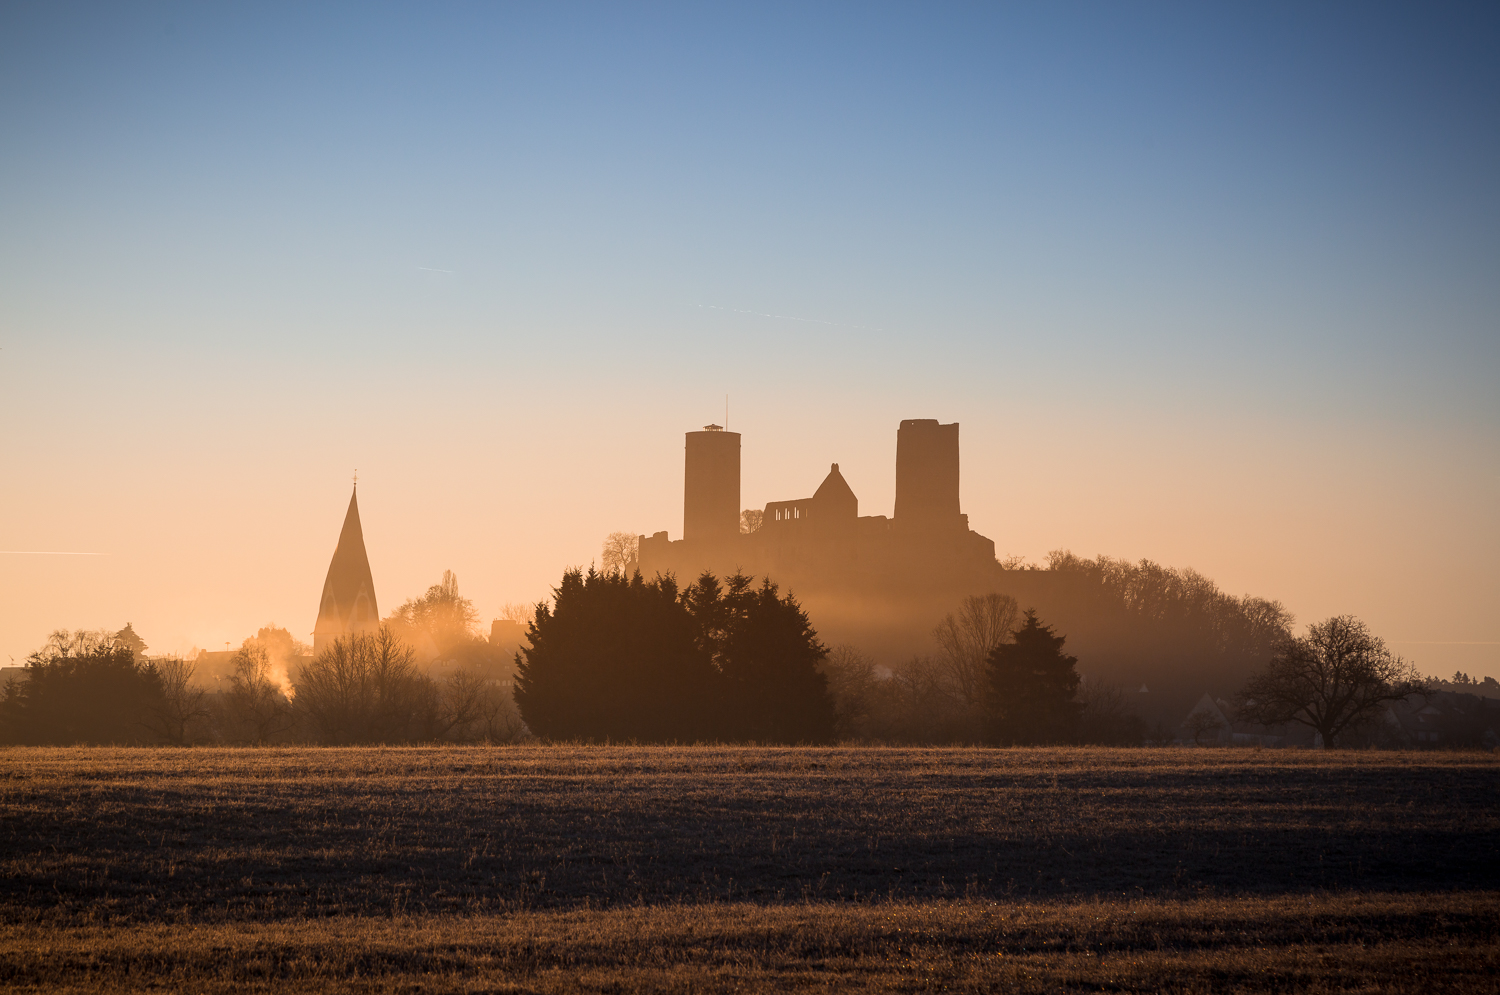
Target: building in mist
x,y
874,580
882,584
348,604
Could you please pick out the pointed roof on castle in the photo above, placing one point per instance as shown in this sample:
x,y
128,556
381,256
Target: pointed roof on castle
x,y
835,495
348,603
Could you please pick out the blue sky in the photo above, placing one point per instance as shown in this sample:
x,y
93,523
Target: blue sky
x,y
1217,287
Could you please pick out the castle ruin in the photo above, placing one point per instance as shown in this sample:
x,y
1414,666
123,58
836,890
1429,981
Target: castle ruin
x,y
881,582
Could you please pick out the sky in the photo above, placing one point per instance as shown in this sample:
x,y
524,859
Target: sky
x,y
1215,287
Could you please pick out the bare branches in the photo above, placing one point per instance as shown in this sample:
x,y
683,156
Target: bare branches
x,y
255,706
620,552
981,623
1336,676
362,689
178,702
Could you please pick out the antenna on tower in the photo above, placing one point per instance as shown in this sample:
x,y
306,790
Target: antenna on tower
x,y
356,477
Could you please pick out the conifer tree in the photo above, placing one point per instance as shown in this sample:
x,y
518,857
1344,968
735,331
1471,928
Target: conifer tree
x,y
1032,684
768,658
616,658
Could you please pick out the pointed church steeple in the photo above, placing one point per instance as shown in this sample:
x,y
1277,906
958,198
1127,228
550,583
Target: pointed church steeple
x,y
348,604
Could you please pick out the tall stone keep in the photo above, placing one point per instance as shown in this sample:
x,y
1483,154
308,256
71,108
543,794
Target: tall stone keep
x,y
927,475
348,604
711,486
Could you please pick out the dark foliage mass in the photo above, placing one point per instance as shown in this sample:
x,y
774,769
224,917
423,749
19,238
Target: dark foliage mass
x,y
621,658
767,657
1032,688
615,658
1144,623
85,688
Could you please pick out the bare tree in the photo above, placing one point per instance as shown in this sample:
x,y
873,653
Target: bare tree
x,y
256,707
1107,716
851,681
518,611
1330,679
365,688
621,552
916,705
981,623
1200,722
179,702
751,520
474,708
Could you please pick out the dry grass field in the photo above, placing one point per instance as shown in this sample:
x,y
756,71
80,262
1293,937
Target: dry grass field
x,y
721,868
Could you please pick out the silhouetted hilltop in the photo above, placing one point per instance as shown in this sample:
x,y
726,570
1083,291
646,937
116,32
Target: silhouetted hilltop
x,y
882,583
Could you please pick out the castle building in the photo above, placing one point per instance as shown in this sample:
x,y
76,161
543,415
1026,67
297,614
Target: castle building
x,y
875,579
348,604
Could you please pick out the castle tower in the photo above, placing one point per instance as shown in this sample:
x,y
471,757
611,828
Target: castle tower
x,y
927,475
711,486
348,604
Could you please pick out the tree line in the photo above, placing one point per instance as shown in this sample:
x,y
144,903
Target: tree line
x,y
382,687
622,659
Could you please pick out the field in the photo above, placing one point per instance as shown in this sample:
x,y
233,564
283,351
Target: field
x,y
708,868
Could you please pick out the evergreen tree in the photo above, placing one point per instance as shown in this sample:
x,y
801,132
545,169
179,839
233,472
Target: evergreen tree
x,y
1032,684
127,638
768,658
616,658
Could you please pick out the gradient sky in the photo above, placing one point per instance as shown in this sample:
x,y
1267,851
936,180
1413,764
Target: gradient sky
x,y
1217,288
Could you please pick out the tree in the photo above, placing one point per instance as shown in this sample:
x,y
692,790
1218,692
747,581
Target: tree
x,y
915,705
179,702
967,638
1335,677
751,520
768,659
1107,717
82,687
518,611
621,552
1145,623
1032,684
365,688
256,708
127,638
1201,721
851,683
440,624
616,658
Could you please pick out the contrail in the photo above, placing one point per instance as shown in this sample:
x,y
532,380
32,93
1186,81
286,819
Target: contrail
x,y
44,552
429,269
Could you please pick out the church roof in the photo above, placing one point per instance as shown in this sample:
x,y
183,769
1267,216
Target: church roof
x,y
348,602
835,492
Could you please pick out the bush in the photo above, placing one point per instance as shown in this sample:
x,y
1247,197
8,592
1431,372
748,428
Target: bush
x,y
84,688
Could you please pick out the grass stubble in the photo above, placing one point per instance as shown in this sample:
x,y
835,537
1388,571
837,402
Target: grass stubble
x,y
627,869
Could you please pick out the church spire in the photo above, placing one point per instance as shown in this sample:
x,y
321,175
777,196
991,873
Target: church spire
x,y
348,604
